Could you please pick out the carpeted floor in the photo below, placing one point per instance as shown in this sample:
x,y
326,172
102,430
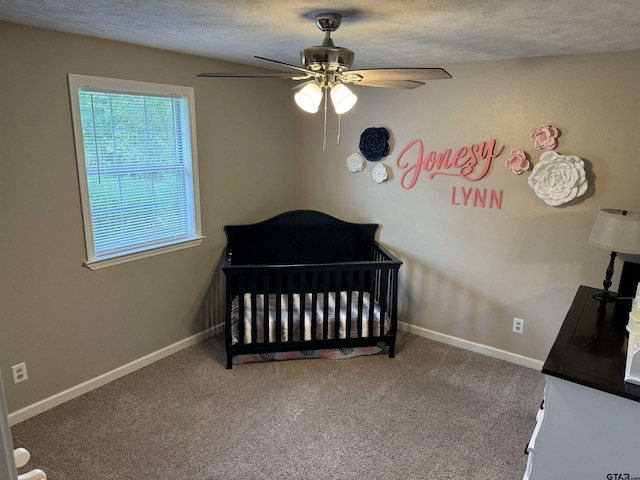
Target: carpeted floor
x,y
433,412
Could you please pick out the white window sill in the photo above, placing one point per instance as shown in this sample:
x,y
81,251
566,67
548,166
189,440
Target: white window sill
x,y
117,260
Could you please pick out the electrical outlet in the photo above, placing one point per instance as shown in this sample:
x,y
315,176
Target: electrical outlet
x,y
19,372
518,325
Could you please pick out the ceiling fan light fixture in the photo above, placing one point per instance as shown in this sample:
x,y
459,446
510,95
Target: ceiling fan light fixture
x,y
342,98
326,69
309,98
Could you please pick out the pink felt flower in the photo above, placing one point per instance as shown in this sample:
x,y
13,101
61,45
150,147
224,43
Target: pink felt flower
x,y
544,137
517,162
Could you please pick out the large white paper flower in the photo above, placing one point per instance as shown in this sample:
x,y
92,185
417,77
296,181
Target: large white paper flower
x,y
558,179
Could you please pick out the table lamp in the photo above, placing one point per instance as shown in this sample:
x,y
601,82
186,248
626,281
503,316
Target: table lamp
x,y
617,231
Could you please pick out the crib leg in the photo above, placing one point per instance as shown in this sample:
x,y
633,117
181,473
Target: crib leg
x,y
392,350
229,361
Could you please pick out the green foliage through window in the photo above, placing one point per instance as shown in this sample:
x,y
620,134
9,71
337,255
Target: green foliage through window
x,y
139,170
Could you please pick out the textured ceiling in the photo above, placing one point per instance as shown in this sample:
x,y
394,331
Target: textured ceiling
x,y
398,33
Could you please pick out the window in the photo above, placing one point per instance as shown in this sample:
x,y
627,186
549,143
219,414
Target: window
x,y
137,168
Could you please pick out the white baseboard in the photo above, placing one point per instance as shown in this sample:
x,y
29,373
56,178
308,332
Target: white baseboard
x,y
474,347
73,392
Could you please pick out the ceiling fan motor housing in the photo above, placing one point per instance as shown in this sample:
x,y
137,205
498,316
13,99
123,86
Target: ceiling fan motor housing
x,y
327,57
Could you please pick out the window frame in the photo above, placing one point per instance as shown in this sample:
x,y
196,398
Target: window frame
x,y
76,82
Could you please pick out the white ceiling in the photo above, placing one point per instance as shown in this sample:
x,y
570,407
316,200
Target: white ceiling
x,y
396,33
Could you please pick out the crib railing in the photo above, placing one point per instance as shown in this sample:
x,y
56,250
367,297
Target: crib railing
x,y
258,288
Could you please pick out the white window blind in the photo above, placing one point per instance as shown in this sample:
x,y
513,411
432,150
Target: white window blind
x,y
138,163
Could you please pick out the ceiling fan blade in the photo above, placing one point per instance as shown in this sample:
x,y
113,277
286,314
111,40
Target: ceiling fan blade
x,y
307,73
405,84
301,69
250,75
300,86
400,74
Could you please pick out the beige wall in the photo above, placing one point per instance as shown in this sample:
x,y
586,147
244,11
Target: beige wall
x,y
71,324
468,271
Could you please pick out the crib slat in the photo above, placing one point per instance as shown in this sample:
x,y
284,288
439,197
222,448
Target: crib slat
x,y
266,326
336,324
241,308
228,319
393,298
301,319
254,307
314,304
372,298
290,288
278,300
379,274
349,303
384,282
325,306
360,300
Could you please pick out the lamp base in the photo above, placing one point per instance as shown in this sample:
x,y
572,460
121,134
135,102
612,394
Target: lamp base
x,y
605,296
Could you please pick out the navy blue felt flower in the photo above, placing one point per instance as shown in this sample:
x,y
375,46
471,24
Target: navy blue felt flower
x,y
374,143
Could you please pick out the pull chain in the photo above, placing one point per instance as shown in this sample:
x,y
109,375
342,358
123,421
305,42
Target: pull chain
x,y
324,140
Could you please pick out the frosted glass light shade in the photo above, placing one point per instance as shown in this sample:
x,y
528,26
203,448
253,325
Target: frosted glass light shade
x,y
342,98
309,98
617,231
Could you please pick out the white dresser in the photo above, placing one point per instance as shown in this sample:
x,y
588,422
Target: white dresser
x,y
589,423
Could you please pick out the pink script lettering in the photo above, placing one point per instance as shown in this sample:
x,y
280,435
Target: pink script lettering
x,y
462,164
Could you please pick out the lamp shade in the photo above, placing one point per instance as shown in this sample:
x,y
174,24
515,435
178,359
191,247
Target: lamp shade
x,y
309,98
342,98
617,231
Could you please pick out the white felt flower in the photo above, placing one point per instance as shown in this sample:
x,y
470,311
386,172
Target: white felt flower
x,y
558,179
380,173
355,162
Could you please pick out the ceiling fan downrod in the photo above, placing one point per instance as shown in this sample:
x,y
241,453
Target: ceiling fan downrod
x,y
327,57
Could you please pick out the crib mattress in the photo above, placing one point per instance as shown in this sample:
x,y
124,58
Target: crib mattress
x,y
367,304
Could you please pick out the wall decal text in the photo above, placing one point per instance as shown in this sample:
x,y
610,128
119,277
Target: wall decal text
x,y
462,163
476,197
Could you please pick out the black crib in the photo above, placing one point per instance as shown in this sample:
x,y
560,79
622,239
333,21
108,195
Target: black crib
x,y
304,280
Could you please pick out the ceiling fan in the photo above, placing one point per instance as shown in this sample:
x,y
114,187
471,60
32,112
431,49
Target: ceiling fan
x,y
326,68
